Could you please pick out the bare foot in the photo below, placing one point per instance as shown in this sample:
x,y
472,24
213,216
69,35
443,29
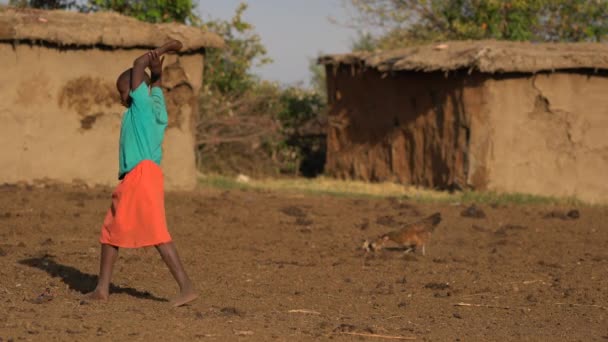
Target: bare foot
x,y
184,298
96,295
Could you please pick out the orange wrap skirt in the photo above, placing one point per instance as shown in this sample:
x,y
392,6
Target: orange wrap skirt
x,y
137,215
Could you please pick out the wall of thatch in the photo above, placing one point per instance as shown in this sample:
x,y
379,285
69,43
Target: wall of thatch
x,y
61,117
540,134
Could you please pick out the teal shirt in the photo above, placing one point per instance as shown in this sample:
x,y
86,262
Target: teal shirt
x,y
142,129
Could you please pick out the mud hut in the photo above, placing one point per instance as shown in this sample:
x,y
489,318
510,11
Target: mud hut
x,y
501,116
60,111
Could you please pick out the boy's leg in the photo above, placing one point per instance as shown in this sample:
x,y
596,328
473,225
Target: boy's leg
x,y
108,258
171,258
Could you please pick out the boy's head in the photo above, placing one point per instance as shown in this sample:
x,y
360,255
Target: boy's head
x,y
123,84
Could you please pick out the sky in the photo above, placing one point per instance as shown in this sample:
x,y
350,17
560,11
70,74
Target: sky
x,y
293,31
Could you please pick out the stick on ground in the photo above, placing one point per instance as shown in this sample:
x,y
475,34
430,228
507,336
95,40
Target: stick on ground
x,y
591,305
482,306
388,337
304,311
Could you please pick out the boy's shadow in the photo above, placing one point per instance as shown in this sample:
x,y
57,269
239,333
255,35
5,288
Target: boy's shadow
x,y
78,281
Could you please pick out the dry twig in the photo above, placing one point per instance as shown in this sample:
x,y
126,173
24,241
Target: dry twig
x,y
482,306
388,337
592,305
304,311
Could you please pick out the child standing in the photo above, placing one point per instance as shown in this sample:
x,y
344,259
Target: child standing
x,y
136,217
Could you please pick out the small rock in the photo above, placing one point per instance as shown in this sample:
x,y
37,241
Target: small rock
x,y
456,315
473,212
573,214
243,179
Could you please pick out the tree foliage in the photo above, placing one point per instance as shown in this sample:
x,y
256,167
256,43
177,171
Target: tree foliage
x,y
409,21
154,11
230,70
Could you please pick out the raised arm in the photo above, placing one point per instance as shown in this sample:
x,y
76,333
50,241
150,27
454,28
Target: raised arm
x,y
147,60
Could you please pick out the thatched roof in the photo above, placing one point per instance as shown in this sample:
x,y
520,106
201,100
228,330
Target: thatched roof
x,y
486,56
97,29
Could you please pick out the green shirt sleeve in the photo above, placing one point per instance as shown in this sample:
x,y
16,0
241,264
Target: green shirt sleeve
x,y
158,103
140,96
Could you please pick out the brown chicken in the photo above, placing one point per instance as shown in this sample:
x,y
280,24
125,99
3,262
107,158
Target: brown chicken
x,y
411,236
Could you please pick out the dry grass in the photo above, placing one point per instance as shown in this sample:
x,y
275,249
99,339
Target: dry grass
x,y
350,188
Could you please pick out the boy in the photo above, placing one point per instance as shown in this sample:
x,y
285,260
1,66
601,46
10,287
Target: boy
x,y
137,215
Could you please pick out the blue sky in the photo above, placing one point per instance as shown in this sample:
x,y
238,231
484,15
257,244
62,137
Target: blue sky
x,y
293,31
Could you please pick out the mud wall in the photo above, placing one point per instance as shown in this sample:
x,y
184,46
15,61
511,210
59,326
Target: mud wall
x,y
407,127
546,134
60,116
540,134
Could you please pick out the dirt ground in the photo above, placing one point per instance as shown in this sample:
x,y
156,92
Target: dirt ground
x,y
535,273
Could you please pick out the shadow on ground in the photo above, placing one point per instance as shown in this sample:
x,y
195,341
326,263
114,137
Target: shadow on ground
x,y
79,281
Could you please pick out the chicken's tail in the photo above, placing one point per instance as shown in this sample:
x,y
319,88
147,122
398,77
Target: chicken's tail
x,y
432,221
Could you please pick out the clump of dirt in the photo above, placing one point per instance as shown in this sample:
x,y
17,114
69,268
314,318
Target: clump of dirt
x,y
573,214
508,227
473,212
231,311
437,286
293,211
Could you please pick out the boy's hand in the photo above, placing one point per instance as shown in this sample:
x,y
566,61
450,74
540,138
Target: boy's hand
x,y
170,46
156,63
152,60
174,45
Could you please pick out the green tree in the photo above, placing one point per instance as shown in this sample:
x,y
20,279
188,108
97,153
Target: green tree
x,y
154,11
365,41
318,81
409,21
229,71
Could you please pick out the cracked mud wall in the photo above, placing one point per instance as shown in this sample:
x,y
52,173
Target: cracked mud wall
x,y
407,127
61,117
541,134
545,135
